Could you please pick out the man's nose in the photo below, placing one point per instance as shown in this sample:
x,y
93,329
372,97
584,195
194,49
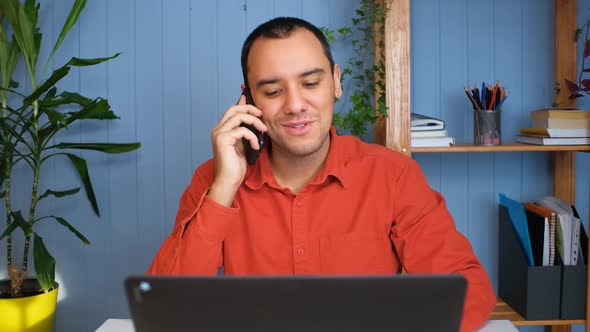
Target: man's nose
x,y
294,102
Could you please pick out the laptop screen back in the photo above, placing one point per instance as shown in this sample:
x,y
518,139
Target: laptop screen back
x,y
295,303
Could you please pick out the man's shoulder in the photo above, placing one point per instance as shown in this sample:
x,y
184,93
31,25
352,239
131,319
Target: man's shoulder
x,y
355,149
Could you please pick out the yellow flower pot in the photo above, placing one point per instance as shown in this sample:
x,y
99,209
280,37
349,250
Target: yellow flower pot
x,y
33,313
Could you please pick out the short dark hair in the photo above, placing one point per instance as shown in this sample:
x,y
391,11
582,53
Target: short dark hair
x,y
281,28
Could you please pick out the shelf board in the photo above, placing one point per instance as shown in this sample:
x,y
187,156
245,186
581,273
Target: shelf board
x,y
504,311
507,147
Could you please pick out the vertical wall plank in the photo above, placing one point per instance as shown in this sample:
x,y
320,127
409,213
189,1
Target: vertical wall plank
x,y
204,80
123,217
93,83
425,72
176,94
453,106
231,25
482,215
150,115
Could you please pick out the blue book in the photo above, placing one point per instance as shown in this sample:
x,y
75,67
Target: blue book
x,y
517,215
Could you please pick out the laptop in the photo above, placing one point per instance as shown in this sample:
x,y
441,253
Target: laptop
x,y
413,303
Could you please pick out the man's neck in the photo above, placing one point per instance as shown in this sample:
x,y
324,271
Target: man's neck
x,y
294,172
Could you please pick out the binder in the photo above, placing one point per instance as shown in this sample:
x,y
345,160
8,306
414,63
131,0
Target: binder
x,y
542,217
517,216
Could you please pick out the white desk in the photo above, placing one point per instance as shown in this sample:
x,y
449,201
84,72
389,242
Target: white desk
x,y
125,325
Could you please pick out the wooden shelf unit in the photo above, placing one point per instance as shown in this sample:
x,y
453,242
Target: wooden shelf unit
x,y
508,147
393,131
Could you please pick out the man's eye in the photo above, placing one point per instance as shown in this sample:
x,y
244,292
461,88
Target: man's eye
x,y
311,84
271,93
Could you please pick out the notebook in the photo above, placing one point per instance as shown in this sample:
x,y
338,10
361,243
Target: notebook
x,y
296,303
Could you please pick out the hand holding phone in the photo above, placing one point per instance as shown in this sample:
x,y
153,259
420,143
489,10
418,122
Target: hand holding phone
x,y
237,123
251,153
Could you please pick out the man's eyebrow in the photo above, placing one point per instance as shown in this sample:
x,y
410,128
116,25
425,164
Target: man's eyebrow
x,y
268,81
313,71
276,80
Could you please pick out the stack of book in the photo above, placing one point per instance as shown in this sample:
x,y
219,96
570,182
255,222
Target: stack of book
x,y
426,131
557,126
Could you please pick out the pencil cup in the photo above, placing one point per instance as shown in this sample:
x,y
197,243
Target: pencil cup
x,y
487,127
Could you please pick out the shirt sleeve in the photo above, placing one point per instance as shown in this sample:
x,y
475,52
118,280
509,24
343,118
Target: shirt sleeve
x,y
427,241
195,245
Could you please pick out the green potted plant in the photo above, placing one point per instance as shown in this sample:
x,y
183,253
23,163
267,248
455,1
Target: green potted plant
x,y
28,128
366,68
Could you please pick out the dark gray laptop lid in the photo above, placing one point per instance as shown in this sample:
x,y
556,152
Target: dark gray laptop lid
x,y
296,303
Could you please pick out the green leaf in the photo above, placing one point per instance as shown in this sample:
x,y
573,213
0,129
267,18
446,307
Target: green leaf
x,y
102,147
50,94
64,223
9,230
59,193
27,37
66,98
89,62
73,16
54,116
44,264
17,218
82,168
98,109
57,75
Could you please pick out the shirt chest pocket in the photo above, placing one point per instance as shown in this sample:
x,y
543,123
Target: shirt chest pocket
x,y
357,253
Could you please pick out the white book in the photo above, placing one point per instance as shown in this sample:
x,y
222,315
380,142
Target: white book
x,y
428,133
424,142
541,140
419,122
556,132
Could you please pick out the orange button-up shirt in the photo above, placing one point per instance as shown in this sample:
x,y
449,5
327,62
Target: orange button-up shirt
x,y
368,211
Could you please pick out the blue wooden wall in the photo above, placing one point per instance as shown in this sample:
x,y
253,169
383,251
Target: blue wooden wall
x,y
180,70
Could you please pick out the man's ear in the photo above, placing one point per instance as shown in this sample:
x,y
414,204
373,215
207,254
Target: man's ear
x,y
243,86
337,85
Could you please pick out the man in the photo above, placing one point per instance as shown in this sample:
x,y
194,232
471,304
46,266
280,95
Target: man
x,y
314,202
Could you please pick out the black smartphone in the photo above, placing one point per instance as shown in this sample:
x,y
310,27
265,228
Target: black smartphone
x,y
251,153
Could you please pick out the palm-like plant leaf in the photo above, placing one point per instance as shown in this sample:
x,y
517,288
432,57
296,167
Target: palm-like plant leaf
x,y
98,109
17,221
102,147
82,168
58,194
77,8
65,98
67,225
44,264
89,62
57,75
8,230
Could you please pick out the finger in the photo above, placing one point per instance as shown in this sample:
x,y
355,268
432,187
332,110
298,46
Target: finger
x,y
235,136
238,119
240,108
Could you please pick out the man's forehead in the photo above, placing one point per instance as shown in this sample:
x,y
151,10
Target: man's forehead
x,y
300,53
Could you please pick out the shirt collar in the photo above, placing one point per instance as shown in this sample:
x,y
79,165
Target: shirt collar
x,y
335,166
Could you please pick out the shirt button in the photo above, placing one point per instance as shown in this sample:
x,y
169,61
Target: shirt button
x,y
299,204
300,252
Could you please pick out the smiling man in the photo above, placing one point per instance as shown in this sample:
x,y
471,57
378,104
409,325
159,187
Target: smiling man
x,y
314,202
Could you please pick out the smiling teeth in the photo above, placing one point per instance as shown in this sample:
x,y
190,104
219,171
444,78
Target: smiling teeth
x,y
298,126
